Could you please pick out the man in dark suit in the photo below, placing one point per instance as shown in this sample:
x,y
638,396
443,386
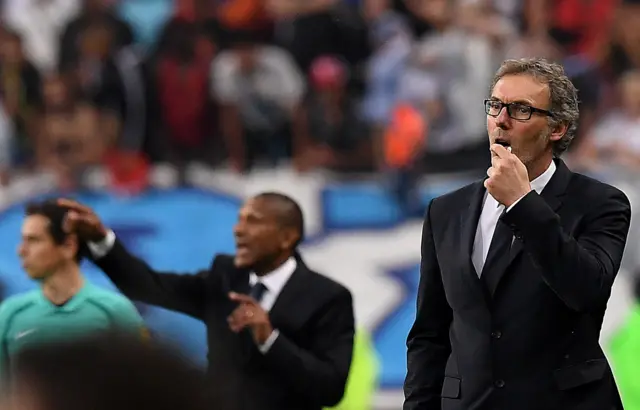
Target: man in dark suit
x,y
280,336
517,269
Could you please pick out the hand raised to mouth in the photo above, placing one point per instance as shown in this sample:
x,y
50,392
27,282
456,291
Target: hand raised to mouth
x,y
504,144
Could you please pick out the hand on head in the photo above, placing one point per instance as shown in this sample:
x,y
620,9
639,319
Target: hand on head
x,y
82,221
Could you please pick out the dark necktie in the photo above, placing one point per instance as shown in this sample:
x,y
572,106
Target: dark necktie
x,y
498,256
257,291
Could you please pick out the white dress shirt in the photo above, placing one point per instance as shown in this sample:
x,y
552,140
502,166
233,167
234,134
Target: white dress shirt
x,y
273,281
491,211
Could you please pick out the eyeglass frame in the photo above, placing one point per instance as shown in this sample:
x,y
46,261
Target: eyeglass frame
x,y
508,107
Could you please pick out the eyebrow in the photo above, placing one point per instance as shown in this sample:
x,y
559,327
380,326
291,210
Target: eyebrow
x,y
519,101
252,214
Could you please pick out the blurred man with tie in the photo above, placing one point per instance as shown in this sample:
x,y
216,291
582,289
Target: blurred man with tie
x,y
517,269
280,336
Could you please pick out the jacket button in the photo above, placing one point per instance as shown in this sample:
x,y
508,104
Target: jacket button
x,y
499,383
496,334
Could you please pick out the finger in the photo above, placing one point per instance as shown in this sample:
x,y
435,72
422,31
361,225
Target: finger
x,y
245,312
237,320
500,151
241,318
238,312
74,206
242,298
236,324
69,223
73,220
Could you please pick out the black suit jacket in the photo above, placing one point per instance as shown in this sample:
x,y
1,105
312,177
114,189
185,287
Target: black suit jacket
x,y
307,366
529,339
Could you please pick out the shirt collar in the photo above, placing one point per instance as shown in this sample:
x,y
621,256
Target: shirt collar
x,y
276,279
73,303
539,183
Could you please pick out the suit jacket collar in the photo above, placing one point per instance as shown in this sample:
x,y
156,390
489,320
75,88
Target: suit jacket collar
x,y
557,186
275,281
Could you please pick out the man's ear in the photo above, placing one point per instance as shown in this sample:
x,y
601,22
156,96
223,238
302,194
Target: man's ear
x,y
558,132
291,236
71,245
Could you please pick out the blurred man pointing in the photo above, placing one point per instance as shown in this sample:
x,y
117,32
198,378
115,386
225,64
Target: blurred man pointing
x,y
280,336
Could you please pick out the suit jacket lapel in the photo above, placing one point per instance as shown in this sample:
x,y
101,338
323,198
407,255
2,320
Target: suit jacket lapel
x,y
469,226
281,309
239,283
552,194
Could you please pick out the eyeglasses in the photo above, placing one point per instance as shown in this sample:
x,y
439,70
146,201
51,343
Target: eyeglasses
x,y
517,111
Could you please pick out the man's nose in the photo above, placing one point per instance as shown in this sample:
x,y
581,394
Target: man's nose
x,y
503,120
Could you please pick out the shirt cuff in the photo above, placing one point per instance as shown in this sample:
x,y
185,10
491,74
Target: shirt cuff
x,y
102,248
264,348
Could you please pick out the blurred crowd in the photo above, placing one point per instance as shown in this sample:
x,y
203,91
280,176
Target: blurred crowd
x,y
344,85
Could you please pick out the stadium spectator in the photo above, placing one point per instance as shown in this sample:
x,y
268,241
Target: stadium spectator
x,y
71,135
329,130
7,146
180,76
613,145
259,88
40,23
20,85
91,13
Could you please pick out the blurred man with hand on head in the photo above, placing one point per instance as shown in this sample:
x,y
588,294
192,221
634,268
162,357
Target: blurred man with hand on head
x,y
65,305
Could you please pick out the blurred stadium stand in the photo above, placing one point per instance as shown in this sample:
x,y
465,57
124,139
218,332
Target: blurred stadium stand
x,y
363,110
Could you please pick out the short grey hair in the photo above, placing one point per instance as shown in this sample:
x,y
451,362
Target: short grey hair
x,y
563,94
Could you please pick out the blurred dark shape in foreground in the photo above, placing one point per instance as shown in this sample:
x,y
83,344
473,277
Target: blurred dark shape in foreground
x,y
105,372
